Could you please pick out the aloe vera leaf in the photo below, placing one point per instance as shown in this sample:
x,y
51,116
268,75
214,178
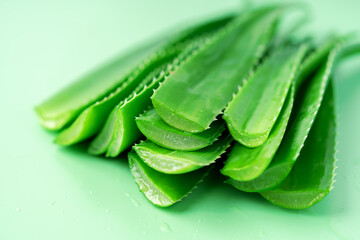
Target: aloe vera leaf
x,y
315,59
176,162
245,164
126,132
162,189
102,141
159,132
91,120
305,109
212,76
207,27
311,178
122,118
252,113
105,138
62,108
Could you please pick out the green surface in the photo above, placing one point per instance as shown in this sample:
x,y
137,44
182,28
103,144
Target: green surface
x,y
49,192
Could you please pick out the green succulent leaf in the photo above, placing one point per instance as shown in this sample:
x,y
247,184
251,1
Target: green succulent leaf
x,y
176,162
252,113
159,132
120,130
162,189
212,76
305,109
246,164
92,119
311,178
62,108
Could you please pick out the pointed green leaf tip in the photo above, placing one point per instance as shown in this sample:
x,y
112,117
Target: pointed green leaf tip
x,y
162,189
251,115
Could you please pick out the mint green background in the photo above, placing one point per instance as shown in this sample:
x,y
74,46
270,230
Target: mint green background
x,y
49,192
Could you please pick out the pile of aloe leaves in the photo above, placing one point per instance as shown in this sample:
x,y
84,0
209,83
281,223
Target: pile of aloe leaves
x,y
230,94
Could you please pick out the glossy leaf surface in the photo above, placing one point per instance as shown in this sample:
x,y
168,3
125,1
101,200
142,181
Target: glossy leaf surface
x,y
92,119
211,77
245,164
305,109
252,113
162,189
175,162
311,178
120,130
159,132
63,107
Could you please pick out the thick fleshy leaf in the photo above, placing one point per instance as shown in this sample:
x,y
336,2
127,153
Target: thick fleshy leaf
x,y
305,109
176,162
201,88
314,60
62,108
120,130
159,132
92,119
246,164
252,113
162,189
311,178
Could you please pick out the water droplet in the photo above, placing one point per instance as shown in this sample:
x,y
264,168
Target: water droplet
x,y
108,228
107,210
135,203
18,209
165,228
61,210
199,221
91,192
51,203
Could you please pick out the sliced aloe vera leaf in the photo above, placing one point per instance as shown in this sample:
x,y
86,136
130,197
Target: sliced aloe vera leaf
x,y
210,78
120,130
63,107
126,132
102,141
159,132
305,109
111,134
246,164
252,113
162,189
176,162
91,120
311,178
